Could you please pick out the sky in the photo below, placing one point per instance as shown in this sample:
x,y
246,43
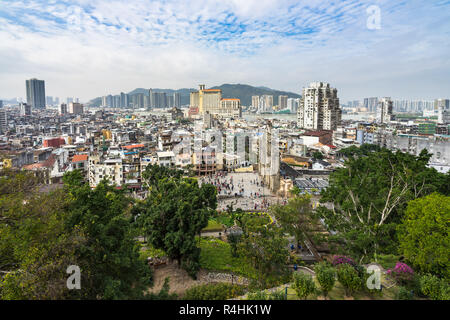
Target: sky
x,y
91,48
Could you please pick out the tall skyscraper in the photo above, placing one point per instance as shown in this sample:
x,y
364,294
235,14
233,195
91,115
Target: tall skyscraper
x,y
319,107
63,109
49,100
282,102
292,105
1,104
3,121
36,93
176,99
255,102
384,110
268,101
123,100
75,108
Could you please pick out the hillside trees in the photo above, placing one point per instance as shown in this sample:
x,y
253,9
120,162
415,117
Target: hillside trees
x,y
369,196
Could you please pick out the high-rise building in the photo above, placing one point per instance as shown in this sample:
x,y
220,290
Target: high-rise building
x,y
3,121
1,104
282,102
36,93
443,108
292,105
319,107
176,100
152,98
75,108
384,110
123,100
268,101
116,101
170,101
69,100
206,99
56,101
230,108
255,102
25,109
63,109
49,100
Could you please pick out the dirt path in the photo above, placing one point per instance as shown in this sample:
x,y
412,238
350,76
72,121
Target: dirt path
x,y
179,281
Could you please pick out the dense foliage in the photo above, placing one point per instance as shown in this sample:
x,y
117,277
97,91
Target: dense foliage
x,y
369,197
175,211
349,278
423,234
326,276
303,285
42,234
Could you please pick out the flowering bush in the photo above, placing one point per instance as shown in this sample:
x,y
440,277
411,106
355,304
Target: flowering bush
x,y
402,273
338,260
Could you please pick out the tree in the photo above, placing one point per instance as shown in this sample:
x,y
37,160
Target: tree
x,y
35,248
318,155
296,217
111,267
326,276
175,211
349,278
423,235
303,285
369,196
265,249
435,288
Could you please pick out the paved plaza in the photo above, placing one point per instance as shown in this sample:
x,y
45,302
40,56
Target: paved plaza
x,y
242,190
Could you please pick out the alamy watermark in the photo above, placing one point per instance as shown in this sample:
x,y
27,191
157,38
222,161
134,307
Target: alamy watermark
x,y
374,280
374,17
74,280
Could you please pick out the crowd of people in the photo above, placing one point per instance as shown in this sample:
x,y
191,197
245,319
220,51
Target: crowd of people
x,y
247,192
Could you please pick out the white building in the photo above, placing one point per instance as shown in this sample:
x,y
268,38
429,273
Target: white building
x,y
319,107
384,110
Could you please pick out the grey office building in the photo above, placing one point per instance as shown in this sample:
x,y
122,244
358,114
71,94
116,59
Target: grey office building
x,y
36,93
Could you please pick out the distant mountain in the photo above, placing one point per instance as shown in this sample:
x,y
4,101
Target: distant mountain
x,y
245,93
239,91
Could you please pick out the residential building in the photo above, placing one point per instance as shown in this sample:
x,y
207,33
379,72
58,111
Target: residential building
x,y
319,107
384,110
36,93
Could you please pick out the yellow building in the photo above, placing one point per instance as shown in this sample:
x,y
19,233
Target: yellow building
x,y
206,99
107,134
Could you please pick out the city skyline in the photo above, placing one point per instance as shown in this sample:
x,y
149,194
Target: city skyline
x,y
89,49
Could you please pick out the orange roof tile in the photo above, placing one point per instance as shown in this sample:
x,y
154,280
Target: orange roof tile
x,y
133,146
211,90
79,157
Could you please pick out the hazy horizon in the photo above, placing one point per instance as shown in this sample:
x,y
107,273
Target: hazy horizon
x,y
88,49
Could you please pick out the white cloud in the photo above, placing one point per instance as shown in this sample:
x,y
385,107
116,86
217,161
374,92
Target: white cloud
x,y
90,48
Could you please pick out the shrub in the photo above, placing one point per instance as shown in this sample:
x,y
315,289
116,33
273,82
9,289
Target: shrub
x,y
262,295
303,285
214,291
404,294
434,288
326,276
277,295
338,260
349,278
257,295
402,274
